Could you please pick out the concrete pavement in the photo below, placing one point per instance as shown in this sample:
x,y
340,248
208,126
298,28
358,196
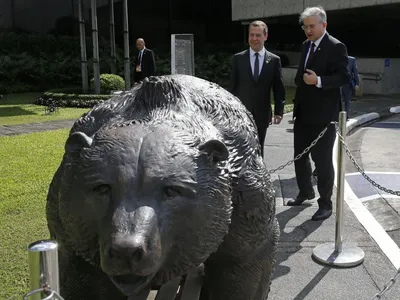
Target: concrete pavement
x,y
297,275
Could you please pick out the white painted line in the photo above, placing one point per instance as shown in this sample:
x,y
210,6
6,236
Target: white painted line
x,y
375,230
395,109
350,174
376,196
373,172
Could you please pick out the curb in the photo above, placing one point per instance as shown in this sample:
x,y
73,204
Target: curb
x,y
360,120
395,109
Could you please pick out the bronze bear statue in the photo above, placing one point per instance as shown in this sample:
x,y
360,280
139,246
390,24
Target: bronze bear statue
x,y
156,181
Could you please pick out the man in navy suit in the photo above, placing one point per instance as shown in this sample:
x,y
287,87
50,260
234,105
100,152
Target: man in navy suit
x,y
255,72
348,90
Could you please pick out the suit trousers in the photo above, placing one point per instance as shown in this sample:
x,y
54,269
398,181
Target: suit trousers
x,y
262,132
262,126
138,77
321,154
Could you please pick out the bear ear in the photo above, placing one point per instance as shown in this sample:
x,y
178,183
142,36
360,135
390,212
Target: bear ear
x,y
215,149
77,141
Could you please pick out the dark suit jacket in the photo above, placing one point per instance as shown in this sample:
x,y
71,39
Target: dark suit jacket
x,y
256,95
315,105
353,70
148,65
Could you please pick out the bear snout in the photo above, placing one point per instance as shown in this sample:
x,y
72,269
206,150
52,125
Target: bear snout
x,y
132,254
133,248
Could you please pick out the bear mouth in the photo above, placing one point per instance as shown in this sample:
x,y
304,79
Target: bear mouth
x,y
131,285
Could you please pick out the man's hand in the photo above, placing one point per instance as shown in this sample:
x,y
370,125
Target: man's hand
x,y
277,119
357,91
310,77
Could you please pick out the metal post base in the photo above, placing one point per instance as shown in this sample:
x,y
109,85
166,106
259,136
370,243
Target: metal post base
x,y
350,256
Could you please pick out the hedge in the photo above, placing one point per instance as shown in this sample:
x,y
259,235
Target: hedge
x,y
71,97
109,83
37,62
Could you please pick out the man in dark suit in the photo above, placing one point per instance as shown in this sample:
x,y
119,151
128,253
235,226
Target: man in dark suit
x,y
145,63
348,90
321,73
255,72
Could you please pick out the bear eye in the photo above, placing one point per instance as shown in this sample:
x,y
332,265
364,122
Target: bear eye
x,y
171,192
102,189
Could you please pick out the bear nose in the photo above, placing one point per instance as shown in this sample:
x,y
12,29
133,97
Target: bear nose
x,y
127,246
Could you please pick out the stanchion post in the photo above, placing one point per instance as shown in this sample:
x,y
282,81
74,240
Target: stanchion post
x,y
337,253
43,265
340,183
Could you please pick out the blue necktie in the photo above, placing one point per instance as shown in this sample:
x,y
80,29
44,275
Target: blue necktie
x,y
310,55
140,58
256,67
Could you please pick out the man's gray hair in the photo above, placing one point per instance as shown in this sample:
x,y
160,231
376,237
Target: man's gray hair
x,y
313,11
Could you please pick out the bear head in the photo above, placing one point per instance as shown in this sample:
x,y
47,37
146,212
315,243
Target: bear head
x,y
143,202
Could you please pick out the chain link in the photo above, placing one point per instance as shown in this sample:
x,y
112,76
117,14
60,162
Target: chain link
x,y
306,150
359,169
348,152
387,286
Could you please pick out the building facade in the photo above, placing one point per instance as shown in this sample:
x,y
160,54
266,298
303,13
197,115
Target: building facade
x,y
369,28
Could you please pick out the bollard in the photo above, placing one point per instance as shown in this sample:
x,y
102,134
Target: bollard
x,y
43,265
340,183
339,254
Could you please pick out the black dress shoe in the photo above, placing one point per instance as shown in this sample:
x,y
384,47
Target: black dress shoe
x,y
300,199
322,214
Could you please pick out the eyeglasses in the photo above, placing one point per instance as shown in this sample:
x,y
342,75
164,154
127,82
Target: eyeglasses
x,y
312,26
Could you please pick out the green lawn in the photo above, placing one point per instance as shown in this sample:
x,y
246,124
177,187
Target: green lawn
x,y
18,109
27,165
290,91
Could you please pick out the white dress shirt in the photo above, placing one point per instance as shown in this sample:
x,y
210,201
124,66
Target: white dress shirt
x,y
317,42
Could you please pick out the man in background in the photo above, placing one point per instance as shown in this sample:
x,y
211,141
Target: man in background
x,y
348,90
145,63
254,73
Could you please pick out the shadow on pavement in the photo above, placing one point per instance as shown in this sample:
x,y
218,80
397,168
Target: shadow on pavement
x,y
294,237
312,284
